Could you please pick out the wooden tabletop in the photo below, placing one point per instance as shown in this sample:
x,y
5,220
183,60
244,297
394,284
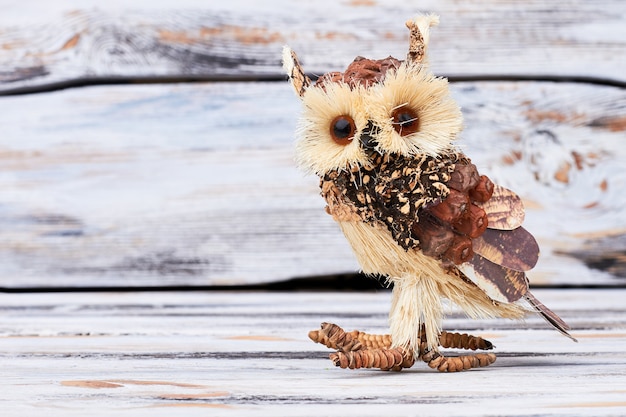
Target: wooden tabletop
x,y
247,354
150,148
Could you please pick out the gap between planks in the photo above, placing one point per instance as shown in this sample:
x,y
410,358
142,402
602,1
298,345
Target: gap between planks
x,y
280,77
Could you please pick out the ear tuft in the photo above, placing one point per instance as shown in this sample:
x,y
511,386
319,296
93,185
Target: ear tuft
x,y
420,36
298,79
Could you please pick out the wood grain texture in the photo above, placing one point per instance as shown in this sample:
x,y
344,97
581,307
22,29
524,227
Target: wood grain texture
x,y
196,184
78,41
248,354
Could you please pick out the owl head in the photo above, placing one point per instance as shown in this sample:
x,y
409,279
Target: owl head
x,y
385,106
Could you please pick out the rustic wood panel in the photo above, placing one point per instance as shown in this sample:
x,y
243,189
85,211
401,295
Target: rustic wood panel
x,y
196,184
248,354
86,41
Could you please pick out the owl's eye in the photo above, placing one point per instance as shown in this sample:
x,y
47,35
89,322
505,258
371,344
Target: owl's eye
x,y
405,121
342,129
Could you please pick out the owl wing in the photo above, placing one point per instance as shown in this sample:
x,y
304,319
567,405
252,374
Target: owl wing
x,y
488,244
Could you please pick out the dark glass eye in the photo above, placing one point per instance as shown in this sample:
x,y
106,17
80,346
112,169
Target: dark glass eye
x,y
342,129
405,121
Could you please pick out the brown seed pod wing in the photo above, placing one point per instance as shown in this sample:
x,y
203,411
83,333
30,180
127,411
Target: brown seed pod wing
x,y
505,210
549,315
498,282
516,249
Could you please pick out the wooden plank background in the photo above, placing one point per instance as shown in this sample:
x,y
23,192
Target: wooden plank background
x,y
69,41
194,183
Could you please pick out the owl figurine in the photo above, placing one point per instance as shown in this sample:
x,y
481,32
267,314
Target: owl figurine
x,y
381,137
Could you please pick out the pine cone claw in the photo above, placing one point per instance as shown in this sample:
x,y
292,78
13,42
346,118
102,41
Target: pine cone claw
x,y
463,341
384,359
460,363
334,337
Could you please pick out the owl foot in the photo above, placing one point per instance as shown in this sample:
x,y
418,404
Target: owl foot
x,y
357,349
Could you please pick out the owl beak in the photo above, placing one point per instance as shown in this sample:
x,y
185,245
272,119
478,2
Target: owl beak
x,y
368,137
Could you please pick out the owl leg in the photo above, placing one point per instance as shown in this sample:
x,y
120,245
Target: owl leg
x,y
357,349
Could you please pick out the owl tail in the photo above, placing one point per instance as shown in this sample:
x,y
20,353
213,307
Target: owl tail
x,y
549,315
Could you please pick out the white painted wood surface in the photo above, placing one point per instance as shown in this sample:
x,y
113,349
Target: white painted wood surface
x,y
73,40
195,184
232,354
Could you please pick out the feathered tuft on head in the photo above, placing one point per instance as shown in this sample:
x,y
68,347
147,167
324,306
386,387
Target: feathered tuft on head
x,y
298,79
419,37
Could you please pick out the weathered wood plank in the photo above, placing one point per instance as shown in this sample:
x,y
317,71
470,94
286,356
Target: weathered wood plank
x,y
196,185
78,41
248,354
